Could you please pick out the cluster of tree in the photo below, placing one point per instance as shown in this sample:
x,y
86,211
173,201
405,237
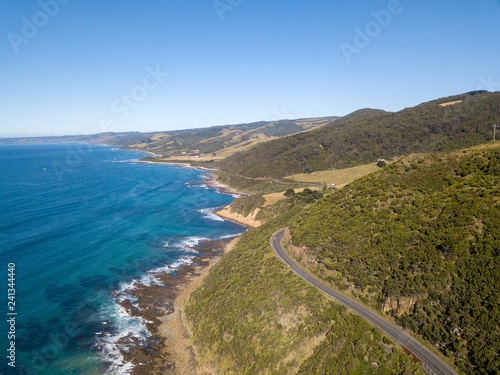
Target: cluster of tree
x,y
307,195
368,135
419,240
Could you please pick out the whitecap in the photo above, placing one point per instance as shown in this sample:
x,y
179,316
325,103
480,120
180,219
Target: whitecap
x,y
228,236
189,243
183,260
209,214
126,326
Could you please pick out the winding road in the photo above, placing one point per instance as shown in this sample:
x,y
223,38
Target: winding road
x,y
432,362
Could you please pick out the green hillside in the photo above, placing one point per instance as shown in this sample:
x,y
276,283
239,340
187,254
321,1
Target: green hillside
x,y
419,240
253,315
365,136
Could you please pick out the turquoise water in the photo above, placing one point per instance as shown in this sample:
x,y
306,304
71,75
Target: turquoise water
x,y
79,222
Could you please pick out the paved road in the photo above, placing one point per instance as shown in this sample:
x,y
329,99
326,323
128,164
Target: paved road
x,y
434,364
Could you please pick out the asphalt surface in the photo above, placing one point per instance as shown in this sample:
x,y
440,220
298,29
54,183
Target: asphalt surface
x,y
432,362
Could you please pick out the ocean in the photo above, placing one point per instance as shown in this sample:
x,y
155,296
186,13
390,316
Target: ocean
x,y
80,222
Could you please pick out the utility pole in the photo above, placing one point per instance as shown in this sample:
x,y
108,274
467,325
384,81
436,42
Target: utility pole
x,y
494,131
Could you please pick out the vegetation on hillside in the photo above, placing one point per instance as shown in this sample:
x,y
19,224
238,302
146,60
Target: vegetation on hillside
x,y
256,185
419,240
197,145
208,142
246,205
364,138
364,351
253,315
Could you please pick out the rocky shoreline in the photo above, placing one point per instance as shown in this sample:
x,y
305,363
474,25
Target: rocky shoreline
x,y
168,350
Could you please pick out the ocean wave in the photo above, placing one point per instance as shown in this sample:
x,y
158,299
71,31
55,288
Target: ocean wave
x,y
228,236
196,185
209,214
189,243
133,161
128,330
151,277
183,260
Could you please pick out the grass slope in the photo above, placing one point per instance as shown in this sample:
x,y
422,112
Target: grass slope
x,y
419,240
365,136
339,177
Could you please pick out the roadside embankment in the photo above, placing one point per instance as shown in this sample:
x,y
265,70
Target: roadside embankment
x,y
249,221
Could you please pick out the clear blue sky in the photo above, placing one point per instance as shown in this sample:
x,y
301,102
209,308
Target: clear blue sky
x,y
76,67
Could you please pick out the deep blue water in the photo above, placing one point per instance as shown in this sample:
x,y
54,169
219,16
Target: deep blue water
x,y
79,222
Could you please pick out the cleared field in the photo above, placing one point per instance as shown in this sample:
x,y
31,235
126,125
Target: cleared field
x,y
339,177
160,136
450,103
139,145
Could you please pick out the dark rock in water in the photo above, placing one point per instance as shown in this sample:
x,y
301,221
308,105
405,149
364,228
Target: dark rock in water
x,y
153,302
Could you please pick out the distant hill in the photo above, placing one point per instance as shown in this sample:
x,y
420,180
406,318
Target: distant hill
x,y
367,135
360,114
202,144
419,240
115,139
219,141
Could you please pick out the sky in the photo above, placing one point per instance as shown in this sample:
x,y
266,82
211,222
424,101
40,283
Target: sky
x,y
83,67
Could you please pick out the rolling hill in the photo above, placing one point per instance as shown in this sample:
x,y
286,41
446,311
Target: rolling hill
x,y
417,241
420,241
202,144
220,141
368,135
